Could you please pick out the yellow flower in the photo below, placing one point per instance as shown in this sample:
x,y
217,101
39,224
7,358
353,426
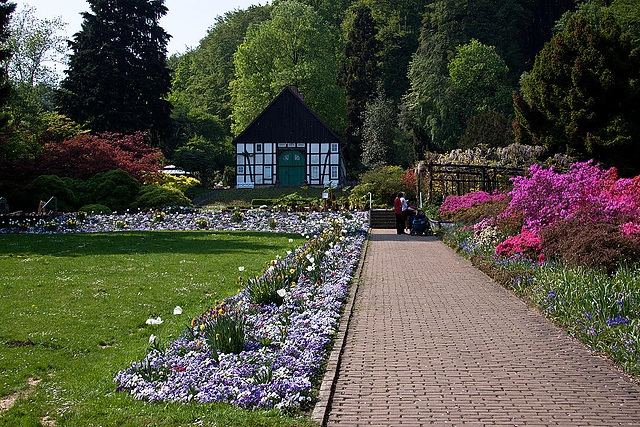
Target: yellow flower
x,y
217,336
202,327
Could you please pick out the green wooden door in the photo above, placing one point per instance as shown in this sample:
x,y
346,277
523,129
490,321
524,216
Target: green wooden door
x,y
291,168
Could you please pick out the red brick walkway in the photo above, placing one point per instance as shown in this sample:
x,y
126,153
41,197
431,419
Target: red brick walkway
x,y
434,341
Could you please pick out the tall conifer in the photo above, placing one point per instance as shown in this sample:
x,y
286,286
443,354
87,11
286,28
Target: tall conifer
x,y
117,77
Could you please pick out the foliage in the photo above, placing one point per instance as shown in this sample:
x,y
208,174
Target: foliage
x,y
6,9
294,48
489,128
385,183
46,186
379,122
358,71
202,76
159,196
117,79
597,244
35,44
85,155
581,97
432,104
115,189
479,80
183,183
204,157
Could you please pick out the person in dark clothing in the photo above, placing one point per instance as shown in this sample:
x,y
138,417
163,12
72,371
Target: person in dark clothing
x,y
397,208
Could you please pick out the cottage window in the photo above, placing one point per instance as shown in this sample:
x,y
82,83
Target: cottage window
x,y
258,148
334,172
240,170
315,172
267,173
334,147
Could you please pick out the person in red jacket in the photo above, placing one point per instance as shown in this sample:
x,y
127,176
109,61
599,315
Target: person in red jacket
x,y
397,208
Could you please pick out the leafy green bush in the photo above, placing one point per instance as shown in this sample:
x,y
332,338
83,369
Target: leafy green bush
x,y
156,196
186,184
115,189
386,183
46,186
96,209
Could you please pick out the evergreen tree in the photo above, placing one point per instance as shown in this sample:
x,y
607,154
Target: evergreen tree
x,y
6,9
582,96
358,72
117,78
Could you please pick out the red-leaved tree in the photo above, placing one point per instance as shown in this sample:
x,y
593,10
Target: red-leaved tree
x,y
83,156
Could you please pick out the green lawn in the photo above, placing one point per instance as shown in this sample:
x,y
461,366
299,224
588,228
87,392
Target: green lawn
x,y
73,310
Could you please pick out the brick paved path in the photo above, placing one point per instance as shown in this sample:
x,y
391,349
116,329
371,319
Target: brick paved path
x,y
435,341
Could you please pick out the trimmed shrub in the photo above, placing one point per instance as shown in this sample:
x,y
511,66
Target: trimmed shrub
x,y
156,196
115,189
46,186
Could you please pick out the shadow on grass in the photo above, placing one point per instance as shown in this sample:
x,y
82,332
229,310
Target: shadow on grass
x,y
139,242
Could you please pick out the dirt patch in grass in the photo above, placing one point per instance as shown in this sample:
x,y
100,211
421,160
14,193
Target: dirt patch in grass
x,y
8,401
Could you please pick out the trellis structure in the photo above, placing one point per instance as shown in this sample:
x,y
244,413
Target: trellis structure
x,y
441,180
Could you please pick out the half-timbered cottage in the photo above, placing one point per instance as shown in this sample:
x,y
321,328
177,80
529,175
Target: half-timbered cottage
x,y
288,144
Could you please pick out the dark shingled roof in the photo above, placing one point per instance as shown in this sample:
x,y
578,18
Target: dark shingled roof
x,y
287,119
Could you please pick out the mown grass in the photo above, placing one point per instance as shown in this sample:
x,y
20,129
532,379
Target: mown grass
x,y
73,310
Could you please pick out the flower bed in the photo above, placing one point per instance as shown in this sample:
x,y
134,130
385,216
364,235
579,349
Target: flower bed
x,y
252,220
284,344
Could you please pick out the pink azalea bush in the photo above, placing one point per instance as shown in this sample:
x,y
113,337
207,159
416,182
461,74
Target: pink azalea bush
x,y
546,196
527,242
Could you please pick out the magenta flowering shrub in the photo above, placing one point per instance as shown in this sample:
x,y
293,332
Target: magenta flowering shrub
x,y
546,196
630,229
469,200
527,243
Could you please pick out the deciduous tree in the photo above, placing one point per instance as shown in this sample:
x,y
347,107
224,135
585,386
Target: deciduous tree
x,y
294,48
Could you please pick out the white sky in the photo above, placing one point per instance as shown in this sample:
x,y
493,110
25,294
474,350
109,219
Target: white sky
x,y
186,21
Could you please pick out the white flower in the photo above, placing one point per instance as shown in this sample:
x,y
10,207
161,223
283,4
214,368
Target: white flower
x,y
240,268
152,339
311,267
290,240
288,252
177,310
281,293
271,268
151,321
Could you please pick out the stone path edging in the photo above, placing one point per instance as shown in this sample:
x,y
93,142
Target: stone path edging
x,y
320,412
